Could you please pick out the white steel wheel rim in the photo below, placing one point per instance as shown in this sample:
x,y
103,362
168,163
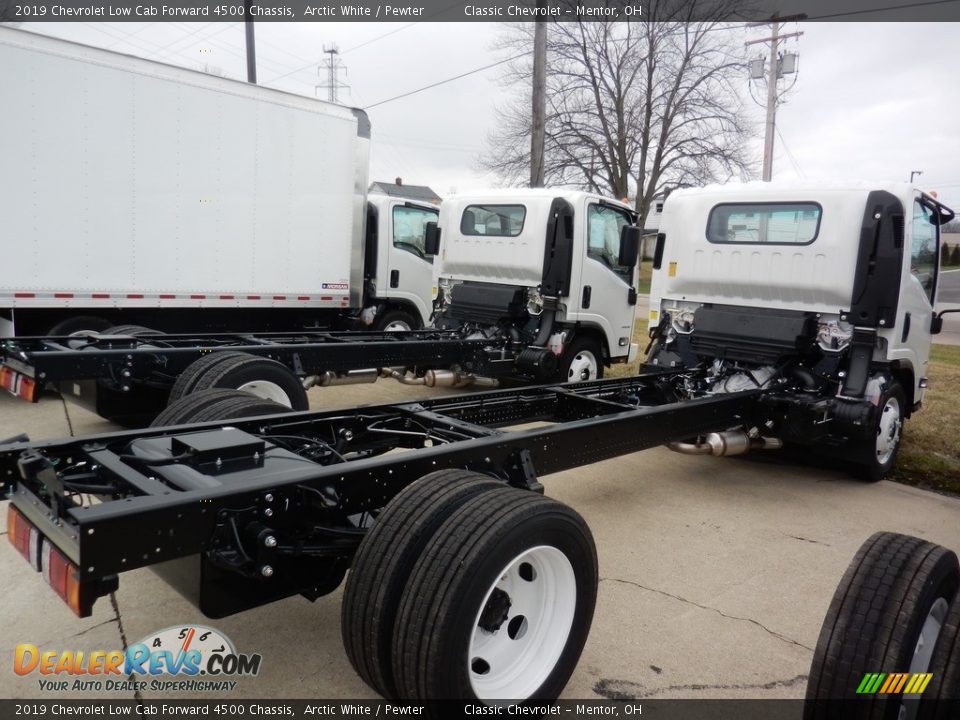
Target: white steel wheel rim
x,y
268,391
923,652
512,661
888,431
932,625
583,366
397,326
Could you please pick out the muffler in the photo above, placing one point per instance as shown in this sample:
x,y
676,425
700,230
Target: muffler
x,y
729,442
353,377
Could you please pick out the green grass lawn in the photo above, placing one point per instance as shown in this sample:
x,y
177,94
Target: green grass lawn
x,y
646,270
930,454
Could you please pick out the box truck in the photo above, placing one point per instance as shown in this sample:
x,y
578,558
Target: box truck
x,y
134,192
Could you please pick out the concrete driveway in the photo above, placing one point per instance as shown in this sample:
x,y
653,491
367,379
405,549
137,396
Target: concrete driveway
x,y
715,575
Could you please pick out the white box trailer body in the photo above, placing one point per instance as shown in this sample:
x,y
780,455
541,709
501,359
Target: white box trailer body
x,y
130,184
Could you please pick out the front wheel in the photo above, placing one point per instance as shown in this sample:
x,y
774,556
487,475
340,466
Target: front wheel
x,y
500,604
396,321
581,361
876,456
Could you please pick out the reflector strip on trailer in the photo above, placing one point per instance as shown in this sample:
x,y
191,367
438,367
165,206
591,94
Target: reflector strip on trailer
x,y
74,295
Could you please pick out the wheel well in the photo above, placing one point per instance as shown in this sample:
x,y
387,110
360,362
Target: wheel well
x,y
903,374
402,305
598,337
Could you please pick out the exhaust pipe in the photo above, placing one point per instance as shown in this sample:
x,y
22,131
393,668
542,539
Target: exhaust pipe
x,y
730,442
439,378
328,378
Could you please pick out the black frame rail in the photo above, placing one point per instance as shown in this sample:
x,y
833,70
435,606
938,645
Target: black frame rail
x,y
160,358
249,477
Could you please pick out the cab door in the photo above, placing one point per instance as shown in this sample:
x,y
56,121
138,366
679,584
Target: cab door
x,y
606,297
409,272
918,285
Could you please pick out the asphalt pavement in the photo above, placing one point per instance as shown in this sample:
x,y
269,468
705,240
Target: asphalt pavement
x,y
715,574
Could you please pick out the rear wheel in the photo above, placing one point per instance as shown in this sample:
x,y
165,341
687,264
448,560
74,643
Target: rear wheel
x,y
132,330
500,604
384,561
885,617
79,325
581,361
262,377
216,404
194,371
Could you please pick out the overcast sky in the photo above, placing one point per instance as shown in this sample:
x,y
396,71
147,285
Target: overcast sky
x,y
872,101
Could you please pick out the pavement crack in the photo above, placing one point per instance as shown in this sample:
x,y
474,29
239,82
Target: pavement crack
x,y
123,639
807,540
760,625
66,414
627,690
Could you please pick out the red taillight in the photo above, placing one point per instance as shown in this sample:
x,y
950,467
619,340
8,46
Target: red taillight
x,y
24,537
63,576
17,383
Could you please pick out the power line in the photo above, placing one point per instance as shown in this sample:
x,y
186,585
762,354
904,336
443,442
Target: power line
x,y
907,6
447,80
371,41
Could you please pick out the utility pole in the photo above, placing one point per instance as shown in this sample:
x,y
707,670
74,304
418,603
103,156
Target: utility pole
x,y
774,72
333,67
538,131
251,44
915,172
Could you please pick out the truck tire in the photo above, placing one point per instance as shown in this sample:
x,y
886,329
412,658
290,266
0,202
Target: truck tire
x,y
78,325
384,561
455,635
186,380
132,330
876,456
396,321
215,404
941,699
258,376
581,361
887,601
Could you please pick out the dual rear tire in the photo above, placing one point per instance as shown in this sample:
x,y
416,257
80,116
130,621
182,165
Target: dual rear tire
x,y
230,370
467,588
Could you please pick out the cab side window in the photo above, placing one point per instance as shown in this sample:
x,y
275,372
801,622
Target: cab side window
x,y
923,248
410,227
603,240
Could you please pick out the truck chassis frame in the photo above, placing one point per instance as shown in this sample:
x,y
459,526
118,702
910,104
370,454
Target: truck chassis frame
x,y
313,480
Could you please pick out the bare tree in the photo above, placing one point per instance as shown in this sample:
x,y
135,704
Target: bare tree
x,y
633,108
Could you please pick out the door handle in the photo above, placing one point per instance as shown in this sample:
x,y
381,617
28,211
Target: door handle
x,y
394,278
587,291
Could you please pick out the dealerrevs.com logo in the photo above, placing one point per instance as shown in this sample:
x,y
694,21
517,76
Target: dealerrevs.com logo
x,y
179,658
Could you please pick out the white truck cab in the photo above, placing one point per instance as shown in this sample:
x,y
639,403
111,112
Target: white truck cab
x,y
832,286
398,272
558,266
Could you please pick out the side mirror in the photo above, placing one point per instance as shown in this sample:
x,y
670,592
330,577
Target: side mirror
x,y
629,245
658,252
936,323
431,239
